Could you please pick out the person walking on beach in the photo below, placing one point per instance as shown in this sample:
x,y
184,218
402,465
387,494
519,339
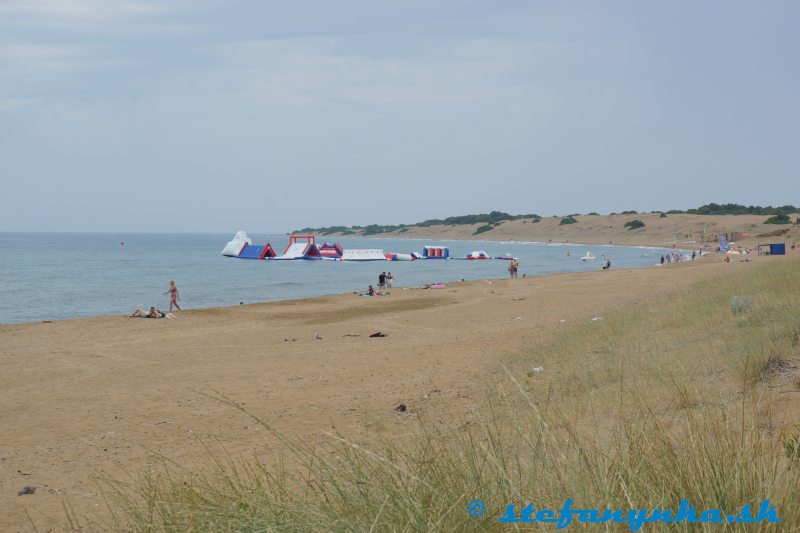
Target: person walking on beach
x,y
382,281
173,296
389,280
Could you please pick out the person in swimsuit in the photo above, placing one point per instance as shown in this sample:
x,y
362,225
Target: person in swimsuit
x,y
152,313
173,296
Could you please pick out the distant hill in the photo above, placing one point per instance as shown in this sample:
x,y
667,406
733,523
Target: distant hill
x,y
486,222
489,219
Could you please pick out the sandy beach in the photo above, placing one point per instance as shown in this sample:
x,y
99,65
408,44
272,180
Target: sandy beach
x,y
586,213
102,396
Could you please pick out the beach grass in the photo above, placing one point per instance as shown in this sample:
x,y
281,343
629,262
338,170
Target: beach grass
x,y
672,399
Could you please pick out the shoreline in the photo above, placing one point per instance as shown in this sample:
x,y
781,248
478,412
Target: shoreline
x,y
399,287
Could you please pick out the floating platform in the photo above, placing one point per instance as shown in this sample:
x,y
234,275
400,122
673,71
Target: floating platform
x,y
365,254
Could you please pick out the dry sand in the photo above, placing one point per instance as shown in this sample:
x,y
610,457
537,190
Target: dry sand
x,y
101,395
602,229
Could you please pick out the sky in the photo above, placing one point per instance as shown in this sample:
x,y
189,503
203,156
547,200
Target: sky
x,y
273,115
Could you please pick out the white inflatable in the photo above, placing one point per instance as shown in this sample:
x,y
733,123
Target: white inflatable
x,y
295,250
363,255
236,244
588,257
399,257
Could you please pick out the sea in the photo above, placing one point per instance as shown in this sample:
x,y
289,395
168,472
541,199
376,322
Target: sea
x,y
53,276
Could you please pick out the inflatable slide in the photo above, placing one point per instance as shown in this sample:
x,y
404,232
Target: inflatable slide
x,y
301,247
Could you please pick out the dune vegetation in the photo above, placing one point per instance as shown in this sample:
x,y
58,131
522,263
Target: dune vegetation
x,y
678,398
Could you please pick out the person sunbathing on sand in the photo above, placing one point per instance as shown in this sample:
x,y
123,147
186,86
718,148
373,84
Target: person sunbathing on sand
x,y
152,313
372,292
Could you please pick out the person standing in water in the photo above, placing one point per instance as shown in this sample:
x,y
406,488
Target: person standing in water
x,y
173,296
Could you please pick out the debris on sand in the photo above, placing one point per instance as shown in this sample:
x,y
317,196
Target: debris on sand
x,y
27,489
401,408
379,334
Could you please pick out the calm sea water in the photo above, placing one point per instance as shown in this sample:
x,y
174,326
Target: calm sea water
x,y
68,275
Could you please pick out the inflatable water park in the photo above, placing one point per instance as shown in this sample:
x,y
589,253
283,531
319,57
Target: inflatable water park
x,y
306,247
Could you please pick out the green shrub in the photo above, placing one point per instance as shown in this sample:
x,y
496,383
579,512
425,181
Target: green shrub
x,y
741,304
662,215
778,219
593,214
483,229
567,220
634,224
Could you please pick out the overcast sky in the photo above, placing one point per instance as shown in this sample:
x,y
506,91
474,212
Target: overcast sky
x,y
206,115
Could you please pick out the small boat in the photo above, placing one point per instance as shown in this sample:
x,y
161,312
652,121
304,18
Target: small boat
x,y
588,257
236,244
